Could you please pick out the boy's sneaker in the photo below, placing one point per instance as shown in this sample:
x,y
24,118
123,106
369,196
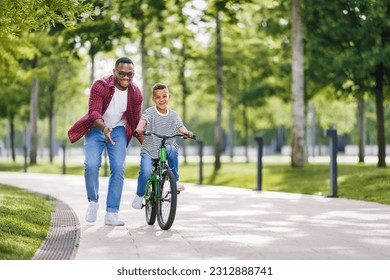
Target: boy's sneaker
x,y
90,217
137,202
180,187
112,219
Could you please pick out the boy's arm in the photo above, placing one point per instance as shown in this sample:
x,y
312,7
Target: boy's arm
x,y
185,131
140,126
140,129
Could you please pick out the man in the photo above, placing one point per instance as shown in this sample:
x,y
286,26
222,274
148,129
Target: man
x,y
113,113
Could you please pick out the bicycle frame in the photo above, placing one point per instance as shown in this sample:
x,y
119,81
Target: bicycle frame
x,y
160,165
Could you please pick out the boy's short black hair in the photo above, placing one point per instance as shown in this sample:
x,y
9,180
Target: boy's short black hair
x,y
159,86
124,60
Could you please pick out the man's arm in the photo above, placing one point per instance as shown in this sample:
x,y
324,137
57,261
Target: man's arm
x,y
99,123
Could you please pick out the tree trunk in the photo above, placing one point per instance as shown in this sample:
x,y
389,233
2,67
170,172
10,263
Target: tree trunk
x,y
380,120
362,130
298,132
34,116
12,137
92,68
218,126
231,136
51,138
246,129
183,83
145,91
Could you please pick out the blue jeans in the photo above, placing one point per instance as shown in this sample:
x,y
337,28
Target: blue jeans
x,y
94,143
147,164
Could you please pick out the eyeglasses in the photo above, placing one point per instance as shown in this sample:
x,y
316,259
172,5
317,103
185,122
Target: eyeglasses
x,y
124,74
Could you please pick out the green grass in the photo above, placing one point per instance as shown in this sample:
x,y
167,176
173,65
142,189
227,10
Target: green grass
x,y
355,181
24,222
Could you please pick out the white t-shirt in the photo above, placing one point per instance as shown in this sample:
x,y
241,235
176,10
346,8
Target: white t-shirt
x,y
113,115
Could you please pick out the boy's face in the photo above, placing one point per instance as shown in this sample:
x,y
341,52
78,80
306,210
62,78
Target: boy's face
x,y
161,98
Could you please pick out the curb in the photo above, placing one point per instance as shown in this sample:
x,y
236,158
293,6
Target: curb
x,y
63,238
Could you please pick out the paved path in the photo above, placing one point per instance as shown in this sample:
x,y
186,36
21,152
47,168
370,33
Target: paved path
x,y
224,223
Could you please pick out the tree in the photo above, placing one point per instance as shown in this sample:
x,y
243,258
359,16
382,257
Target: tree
x,y
18,17
14,106
298,157
216,10
358,34
59,87
99,33
34,114
143,13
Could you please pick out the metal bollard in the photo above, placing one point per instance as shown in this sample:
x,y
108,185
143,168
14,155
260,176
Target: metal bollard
x,y
332,133
200,143
63,158
25,158
259,141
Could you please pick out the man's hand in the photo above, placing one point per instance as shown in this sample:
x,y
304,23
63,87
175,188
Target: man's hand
x,y
107,133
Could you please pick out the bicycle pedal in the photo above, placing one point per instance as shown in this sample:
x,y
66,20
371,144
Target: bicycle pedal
x,y
178,192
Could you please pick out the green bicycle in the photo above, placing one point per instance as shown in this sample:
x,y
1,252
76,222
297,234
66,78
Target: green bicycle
x,y
161,190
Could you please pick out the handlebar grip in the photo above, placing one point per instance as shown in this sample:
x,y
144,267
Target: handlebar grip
x,y
185,136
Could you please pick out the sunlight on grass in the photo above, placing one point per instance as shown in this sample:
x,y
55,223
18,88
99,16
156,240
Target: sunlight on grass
x,y
24,222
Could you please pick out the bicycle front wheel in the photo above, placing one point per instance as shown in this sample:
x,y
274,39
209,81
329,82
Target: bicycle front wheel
x,y
150,205
167,201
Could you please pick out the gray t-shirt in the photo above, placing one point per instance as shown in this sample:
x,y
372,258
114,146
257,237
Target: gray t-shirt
x,y
161,124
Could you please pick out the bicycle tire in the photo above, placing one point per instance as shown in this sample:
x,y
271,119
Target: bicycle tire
x,y
150,206
167,201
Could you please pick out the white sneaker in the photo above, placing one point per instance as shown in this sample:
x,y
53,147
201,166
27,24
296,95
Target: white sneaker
x,y
180,187
90,217
112,219
137,202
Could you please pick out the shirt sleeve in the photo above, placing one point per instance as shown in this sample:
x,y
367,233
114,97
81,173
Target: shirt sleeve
x,y
146,116
95,103
179,122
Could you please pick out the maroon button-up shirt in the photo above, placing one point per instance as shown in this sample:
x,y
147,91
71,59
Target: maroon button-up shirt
x,y
100,97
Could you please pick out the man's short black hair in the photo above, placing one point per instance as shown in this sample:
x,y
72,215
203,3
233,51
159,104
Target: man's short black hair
x,y
124,60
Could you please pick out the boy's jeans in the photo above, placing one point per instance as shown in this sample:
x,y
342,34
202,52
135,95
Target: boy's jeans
x,y
147,164
94,143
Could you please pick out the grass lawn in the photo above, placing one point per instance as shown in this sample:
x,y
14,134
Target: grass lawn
x,y
24,222
361,182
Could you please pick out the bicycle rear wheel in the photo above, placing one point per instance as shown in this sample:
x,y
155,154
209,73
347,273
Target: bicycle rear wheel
x,y
150,205
167,201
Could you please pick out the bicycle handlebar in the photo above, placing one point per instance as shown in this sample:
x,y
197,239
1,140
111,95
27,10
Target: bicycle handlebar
x,y
149,133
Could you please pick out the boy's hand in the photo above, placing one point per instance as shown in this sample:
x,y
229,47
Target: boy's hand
x,y
139,131
189,134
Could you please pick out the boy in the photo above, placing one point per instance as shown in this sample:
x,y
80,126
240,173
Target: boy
x,y
161,121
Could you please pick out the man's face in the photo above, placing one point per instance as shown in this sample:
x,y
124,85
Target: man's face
x,y
124,75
